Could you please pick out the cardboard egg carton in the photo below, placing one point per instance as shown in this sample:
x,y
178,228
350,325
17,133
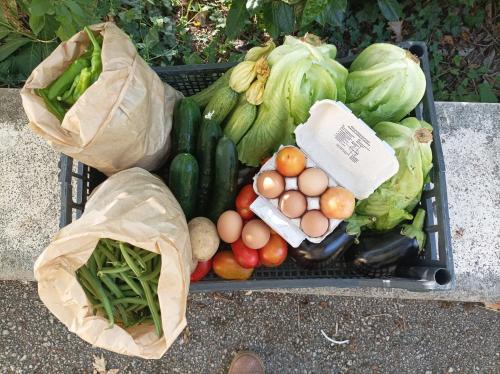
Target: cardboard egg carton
x,y
269,211
346,149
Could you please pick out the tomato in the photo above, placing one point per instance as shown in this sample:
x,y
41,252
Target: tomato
x,y
290,161
202,269
274,252
337,202
226,267
243,201
246,257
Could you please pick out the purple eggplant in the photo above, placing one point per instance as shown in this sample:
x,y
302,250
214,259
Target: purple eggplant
x,y
394,247
309,254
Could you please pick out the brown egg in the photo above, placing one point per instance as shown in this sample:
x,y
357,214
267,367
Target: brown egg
x,y
255,234
229,226
270,184
293,204
314,223
313,182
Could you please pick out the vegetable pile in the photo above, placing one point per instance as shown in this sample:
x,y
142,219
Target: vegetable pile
x,y
121,282
253,109
283,82
61,94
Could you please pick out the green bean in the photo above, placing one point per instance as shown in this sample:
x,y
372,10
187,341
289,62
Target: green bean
x,y
133,286
108,253
136,256
113,288
152,307
99,260
130,262
127,300
96,284
89,292
85,285
113,270
150,256
129,293
152,275
136,307
92,265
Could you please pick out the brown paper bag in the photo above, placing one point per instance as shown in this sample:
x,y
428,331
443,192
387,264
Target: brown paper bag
x,y
122,120
135,207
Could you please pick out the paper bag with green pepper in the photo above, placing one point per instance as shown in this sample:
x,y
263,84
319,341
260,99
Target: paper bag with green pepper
x,y
96,100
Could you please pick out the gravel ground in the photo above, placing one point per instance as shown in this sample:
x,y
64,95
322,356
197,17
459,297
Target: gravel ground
x,y
385,336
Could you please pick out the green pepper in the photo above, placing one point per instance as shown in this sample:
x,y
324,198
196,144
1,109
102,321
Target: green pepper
x,y
64,82
95,59
52,105
83,83
67,96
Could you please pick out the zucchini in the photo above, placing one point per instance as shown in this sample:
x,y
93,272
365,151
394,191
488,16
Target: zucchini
x,y
187,118
210,133
240,121
220,105
183,182
226,178
203,97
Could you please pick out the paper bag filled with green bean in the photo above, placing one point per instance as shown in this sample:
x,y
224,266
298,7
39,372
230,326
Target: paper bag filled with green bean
x,y
118,276
121,282
96,100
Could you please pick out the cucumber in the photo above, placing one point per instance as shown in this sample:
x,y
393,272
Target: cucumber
x,y
210,133
183,182
220,105
203,97
226,178
240,121
187,118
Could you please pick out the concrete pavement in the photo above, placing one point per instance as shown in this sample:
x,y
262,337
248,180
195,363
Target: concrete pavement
x,y
29,198
385,336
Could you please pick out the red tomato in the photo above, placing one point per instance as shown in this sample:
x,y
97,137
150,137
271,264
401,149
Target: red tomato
x,y
274,252
243,201
201,270
226,267
246,257
259,264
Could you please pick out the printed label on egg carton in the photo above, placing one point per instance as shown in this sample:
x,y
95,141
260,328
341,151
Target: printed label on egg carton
x,y
269,211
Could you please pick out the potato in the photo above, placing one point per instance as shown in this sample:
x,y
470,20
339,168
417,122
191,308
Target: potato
x,y
204,238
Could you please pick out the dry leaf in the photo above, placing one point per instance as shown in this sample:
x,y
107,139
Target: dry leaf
x,y
186,335
99,364
495,306
397,28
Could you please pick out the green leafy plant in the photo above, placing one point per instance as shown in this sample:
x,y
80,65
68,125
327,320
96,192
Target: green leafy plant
x,y
30,30
283,17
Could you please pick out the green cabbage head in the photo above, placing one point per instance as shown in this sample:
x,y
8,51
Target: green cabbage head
x,y
397,197
385,83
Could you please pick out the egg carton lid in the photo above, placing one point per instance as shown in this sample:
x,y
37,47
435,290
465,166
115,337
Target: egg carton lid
x,y
346,148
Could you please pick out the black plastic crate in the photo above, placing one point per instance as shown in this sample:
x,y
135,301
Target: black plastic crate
x,y
433,272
